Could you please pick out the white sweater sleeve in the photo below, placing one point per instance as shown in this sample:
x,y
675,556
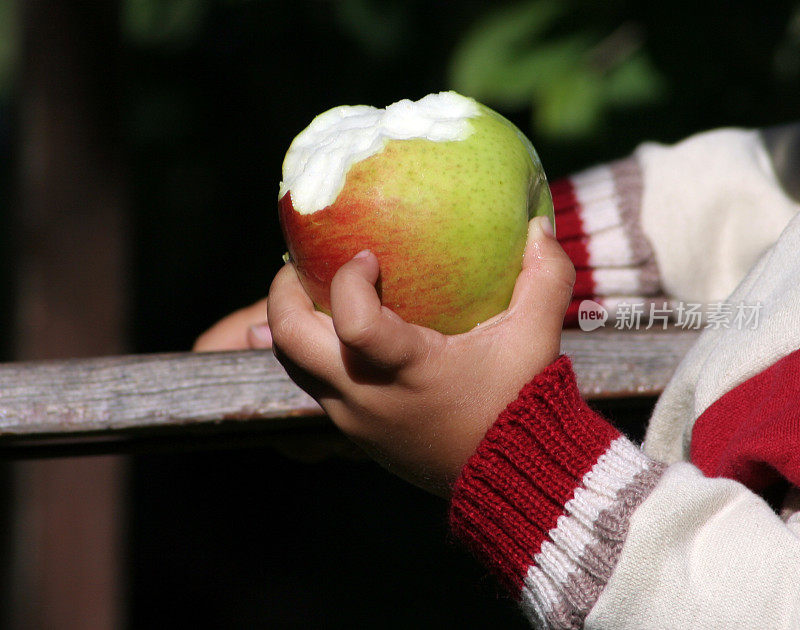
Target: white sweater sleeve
x,y
678,223
703,553
712,205
707,552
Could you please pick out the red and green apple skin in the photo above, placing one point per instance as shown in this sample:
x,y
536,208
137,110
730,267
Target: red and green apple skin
x,y
447,221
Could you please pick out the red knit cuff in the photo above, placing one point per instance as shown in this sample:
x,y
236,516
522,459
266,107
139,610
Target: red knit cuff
x,y
514,488
546,500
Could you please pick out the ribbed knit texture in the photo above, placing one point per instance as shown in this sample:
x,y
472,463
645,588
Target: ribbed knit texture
x,y
545,501
598,225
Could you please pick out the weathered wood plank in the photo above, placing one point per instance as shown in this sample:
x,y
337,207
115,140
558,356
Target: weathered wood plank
x,y
182,391
614,364
129,392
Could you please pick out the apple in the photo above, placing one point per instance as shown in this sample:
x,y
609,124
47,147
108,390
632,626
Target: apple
x,y
440,190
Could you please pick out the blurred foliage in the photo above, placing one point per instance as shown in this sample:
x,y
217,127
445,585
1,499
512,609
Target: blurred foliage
x,y
572,65
213,91
8,45
159,22
516,56
379,27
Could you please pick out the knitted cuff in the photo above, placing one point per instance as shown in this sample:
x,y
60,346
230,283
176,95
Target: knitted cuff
x,y
545,501
598,225
597,215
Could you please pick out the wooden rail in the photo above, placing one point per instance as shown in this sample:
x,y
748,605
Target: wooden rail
x,y
210,396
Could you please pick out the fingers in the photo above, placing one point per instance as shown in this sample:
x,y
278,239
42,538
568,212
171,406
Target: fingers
x,y
234,331
544,286
259,336
373,332
301,334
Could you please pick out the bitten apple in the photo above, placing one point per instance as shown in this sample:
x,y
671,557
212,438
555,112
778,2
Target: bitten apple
x,y
440,190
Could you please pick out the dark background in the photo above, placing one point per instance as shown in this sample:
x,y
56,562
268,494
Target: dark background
x,y
200,100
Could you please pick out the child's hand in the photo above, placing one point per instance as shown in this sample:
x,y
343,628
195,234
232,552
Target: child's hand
x,y
418,401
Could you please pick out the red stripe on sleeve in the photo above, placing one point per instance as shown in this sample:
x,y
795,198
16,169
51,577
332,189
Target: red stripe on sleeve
x,y
752,433
563,193
569,225
577,250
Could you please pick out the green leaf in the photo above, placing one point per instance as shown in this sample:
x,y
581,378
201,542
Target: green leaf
x,y
155,22
480,65
570,107
514,59
533,71
634,82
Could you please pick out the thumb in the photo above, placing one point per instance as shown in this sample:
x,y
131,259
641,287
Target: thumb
x,y
372,331
544,286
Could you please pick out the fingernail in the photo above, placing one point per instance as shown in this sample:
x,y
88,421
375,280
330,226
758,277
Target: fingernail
x,y
546,226
364,253
260,336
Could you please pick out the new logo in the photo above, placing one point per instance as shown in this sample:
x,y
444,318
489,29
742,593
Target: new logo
x,y
591,315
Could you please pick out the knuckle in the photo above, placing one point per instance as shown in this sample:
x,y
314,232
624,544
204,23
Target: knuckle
x,y
563,285
344,277
358,331
560,270
566,271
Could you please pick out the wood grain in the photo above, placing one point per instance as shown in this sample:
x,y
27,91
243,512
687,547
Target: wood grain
x,y
614,364
185,391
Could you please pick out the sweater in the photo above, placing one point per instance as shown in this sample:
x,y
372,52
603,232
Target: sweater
x,y
678,223
586,529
